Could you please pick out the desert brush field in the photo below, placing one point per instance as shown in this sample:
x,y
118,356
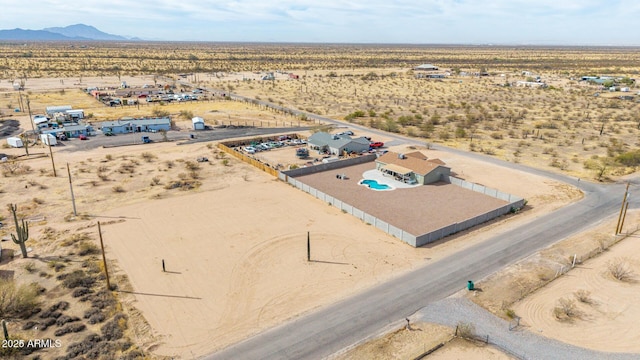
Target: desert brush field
x,y
233,237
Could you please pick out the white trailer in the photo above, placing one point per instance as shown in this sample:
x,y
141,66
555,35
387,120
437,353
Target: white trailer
x,y
48,139
15,142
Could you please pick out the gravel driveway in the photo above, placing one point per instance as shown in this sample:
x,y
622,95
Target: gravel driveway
x,y
521,343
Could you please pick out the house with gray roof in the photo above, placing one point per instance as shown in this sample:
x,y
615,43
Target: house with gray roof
x,y
323,142
129,125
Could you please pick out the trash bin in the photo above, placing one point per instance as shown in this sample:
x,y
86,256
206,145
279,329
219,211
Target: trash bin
x,y
470,285
192,136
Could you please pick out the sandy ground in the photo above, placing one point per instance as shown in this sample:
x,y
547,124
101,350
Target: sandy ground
x,y
608,320
248,271
234,248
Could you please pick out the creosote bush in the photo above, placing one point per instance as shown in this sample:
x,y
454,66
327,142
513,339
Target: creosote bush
x,y
16,300
620,269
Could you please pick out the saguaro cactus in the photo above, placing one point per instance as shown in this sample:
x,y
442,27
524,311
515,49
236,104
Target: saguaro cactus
x,y
22,231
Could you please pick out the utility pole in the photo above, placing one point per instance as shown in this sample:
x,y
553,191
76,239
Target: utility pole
x,y
308,247
624,201
30,118
52,162
73,199
104,257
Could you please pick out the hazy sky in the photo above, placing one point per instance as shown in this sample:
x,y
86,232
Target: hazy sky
x,y
562,22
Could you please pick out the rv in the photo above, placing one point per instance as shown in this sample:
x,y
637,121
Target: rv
x,y
15,142
48,139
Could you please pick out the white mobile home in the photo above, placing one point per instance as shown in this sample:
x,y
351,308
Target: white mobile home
x,y
15,142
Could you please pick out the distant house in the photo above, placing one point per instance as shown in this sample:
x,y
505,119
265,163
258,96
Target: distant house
x,y
531,84
425,67
198,123
52,110
413,167
128,125
430,76
337,144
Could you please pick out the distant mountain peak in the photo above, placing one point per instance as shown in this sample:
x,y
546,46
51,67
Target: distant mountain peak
x,y
70,33
84,31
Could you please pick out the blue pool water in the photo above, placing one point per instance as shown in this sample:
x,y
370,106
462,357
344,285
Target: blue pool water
x,y
373,184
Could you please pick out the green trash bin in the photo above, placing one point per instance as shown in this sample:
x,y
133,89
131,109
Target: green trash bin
x,y
470,285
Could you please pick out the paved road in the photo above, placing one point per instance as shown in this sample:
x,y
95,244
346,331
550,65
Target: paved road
x,y
334,327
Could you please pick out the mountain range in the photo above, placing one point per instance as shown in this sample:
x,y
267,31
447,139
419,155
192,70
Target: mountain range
x,y
78,32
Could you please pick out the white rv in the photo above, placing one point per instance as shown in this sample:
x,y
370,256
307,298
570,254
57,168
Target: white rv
x,y
15,142
48,139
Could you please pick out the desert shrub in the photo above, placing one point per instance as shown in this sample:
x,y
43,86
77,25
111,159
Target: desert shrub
x,y
87,248
76,327
465,330
157,112
14,168
583,296
37,201
16,300
100,300
81,291
565,309
148,157
620,270
630,158
118,189
155,181
65,319
90,342
75,238
109,157
510,313
169,164
46,323
30,267
114,328
192,166
77,278
182,184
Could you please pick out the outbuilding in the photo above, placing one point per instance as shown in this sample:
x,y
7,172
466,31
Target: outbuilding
x,y
198,123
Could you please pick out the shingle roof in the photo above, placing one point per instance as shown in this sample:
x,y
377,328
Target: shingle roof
x,y
414,163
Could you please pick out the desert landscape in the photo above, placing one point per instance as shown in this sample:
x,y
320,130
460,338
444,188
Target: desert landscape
x,y
205,254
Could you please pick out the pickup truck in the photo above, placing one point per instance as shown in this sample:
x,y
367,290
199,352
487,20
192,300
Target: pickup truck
x,y
145,139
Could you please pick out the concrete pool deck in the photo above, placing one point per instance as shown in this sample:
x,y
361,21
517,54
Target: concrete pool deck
x,y
386,180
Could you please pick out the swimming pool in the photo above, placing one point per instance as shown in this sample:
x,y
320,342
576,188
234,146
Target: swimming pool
x,y
374,185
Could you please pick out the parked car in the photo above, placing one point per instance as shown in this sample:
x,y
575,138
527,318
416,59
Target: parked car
x,y
376,144
348,133
82,137
250,149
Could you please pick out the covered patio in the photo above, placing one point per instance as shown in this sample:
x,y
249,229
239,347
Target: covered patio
x,y
399,173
